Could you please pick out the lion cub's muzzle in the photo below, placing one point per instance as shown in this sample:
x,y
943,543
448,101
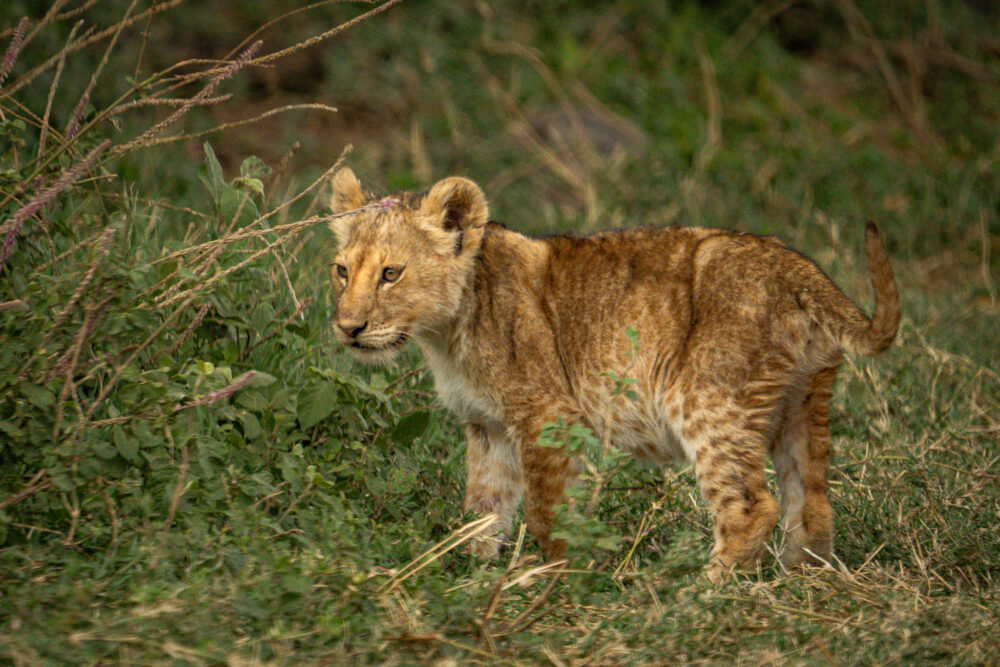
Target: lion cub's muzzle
x,y
369,343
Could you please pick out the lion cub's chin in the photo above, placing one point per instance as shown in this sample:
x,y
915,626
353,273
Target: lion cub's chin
x,y
376,356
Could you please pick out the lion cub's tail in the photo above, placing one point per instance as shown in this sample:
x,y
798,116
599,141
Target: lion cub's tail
x,y
845,323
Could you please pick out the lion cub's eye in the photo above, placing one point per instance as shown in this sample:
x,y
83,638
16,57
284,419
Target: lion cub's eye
x,y
341,271
390,274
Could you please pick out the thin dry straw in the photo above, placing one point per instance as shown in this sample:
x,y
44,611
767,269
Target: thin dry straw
x,y
190,329
13,226
458,536
249,232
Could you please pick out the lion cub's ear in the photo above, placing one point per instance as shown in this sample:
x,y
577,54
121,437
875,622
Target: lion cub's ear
x,y
346,195
345,191
456,204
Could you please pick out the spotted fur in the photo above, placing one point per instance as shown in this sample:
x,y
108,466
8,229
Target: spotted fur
x,y
740,339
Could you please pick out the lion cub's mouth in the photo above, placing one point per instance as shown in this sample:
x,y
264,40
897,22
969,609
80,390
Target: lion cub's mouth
x,y
368,347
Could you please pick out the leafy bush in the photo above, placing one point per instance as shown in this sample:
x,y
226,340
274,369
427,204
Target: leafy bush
x,y
145,371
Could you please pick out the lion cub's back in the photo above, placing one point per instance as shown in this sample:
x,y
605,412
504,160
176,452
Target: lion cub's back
x,y
598,286
699,298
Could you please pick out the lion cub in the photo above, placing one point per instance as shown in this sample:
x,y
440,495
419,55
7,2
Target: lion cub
x,y
739,344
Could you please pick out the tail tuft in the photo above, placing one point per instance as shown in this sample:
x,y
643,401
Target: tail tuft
x,y
885,321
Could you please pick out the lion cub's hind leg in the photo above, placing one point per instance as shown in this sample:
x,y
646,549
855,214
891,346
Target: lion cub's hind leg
x,y
801,454
728,438
494,483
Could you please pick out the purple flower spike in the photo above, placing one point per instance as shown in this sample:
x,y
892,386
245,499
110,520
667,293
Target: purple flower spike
x,y
15,47
387,203
12,227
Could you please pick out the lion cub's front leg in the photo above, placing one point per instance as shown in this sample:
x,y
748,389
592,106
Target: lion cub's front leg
x,y
494,483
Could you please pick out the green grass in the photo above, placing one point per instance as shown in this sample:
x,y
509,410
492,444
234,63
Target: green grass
x,y
276,525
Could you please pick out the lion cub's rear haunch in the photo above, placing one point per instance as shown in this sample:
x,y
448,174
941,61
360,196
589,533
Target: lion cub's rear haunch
x,y
739,343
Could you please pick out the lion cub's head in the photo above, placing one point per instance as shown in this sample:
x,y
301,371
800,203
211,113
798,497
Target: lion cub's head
x,y
403,261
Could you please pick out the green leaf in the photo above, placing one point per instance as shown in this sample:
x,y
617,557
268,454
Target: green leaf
x,y
262,317
40,397
262,379
10,429
411,427
608,542
254,167
104,450
252,400
61,481
251,427
316,404
254,185
127,446
233,202
210,173
295,583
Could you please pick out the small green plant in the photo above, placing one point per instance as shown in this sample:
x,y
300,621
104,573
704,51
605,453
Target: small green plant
x,y
600,459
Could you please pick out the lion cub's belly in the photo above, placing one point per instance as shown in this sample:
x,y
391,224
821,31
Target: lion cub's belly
x,y
641,428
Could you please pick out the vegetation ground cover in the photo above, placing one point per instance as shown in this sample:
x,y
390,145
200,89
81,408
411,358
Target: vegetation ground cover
x,y
191,471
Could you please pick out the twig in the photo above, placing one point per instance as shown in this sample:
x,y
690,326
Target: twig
x,y
237,123
189,330
31,487
10,305
297,10
442,639
277,329
760,16
74,123
16,43
859,26
13,226
103,247
326,35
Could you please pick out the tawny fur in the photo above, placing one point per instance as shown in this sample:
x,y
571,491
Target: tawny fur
x,y
739,339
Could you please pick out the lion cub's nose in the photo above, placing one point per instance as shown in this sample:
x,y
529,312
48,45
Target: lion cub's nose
x,y
351,328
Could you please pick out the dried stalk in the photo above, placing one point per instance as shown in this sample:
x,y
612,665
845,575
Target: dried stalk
x,y
143,139
82,43
44,133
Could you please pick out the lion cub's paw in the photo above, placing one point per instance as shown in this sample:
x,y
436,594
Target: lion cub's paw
x,y
486,548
